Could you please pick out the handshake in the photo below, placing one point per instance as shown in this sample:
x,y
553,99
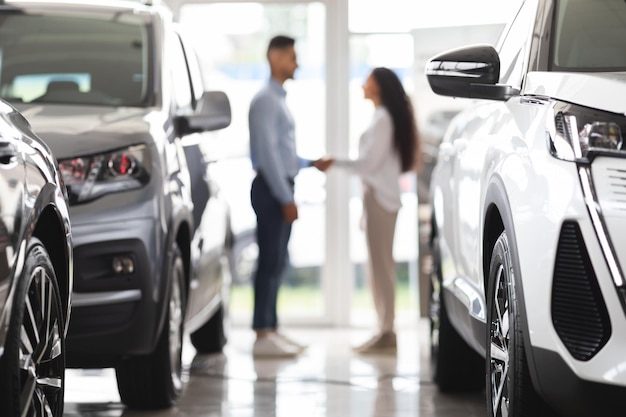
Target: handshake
x,y
323,164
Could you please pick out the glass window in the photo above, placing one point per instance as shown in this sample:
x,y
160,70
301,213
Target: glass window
x,y
395,51
590,36
180,77
402,16
513,49
195,74
231,41
395,16
30,86
81,59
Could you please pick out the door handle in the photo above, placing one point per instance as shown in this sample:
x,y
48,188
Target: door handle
x,y
8,151
446,151
460,145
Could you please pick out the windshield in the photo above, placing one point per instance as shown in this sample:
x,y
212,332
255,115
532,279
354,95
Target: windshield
x,y
98,59
590,35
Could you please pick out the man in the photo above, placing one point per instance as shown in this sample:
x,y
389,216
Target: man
x,y
274,158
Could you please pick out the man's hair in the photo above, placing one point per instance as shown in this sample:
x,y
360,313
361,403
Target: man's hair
x,y
280,42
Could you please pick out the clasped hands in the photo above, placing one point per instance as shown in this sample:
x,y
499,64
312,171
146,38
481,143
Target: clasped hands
x,y
323,163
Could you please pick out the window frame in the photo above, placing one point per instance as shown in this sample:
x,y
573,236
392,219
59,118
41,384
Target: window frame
x,y
515,76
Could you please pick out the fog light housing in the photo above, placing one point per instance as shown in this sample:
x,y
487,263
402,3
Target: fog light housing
x,y
123,265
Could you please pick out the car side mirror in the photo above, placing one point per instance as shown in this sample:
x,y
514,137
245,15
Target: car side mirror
x,y
468,72
212,113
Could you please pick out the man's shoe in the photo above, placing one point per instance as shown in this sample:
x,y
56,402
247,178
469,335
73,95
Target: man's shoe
x,y
273,347
290,342
385,343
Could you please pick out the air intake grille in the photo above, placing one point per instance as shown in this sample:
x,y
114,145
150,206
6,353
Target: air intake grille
x,y
579,314
559,124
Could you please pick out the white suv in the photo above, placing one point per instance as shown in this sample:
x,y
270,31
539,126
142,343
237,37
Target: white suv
x,y
529,214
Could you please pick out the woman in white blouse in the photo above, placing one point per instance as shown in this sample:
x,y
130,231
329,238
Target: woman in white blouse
x,y
387,149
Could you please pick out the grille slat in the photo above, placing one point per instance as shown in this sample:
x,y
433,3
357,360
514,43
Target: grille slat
x,y
579,314
610,184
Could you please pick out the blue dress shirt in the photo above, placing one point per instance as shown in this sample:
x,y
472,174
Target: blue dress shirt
x,y
273,142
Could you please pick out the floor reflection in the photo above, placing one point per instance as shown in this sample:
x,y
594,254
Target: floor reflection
x,y
327,380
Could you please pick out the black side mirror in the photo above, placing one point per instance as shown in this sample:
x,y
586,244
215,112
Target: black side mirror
x,y
469,72
212,113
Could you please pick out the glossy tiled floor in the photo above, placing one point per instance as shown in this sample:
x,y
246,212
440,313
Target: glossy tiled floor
x,y
326,380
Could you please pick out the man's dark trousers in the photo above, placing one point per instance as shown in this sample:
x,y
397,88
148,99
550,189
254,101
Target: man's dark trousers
x,y
272,238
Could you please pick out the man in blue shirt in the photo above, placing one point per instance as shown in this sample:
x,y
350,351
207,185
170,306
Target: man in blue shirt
x,y
274,158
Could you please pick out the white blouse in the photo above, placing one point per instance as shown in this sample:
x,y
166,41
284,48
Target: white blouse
x,y
378,163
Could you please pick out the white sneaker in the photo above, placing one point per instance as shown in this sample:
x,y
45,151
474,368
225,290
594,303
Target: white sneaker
x,y
298,346
272,346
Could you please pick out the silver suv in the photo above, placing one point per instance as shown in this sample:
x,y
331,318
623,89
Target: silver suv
x,y
119,98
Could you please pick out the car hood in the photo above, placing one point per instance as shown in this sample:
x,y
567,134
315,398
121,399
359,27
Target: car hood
x,y
604,91
72,131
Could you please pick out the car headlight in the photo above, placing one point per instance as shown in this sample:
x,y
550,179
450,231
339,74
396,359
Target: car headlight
x,y
578,134
90,177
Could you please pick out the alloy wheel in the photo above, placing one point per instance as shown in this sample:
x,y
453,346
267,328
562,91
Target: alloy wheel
x,y
499,345
41,355
175,325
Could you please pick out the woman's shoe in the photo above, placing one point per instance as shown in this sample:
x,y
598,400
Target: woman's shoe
x,y
385,343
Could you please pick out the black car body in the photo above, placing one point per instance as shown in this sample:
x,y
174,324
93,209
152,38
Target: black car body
x,y
118,95
35,272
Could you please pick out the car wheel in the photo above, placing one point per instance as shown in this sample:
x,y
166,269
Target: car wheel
x,y
154,381
211,337
455,365
32,369
509,388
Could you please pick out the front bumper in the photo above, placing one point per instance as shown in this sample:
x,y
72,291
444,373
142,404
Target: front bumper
x,y
573,305
571,395
114,314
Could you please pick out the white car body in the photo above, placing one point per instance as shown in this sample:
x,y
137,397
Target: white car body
x,y
503,166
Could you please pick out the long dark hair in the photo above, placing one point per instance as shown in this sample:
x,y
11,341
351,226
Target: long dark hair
x,y
396,101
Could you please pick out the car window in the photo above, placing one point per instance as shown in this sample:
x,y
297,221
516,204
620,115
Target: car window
x,y
29,87
590,35
99,59
514,46
193,66
183,95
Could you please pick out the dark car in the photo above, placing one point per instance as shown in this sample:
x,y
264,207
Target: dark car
x,y
35,272
118,95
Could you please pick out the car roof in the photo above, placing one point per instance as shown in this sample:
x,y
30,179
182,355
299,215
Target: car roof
x,y
106,6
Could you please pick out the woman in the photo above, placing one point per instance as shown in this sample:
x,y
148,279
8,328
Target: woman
x,y
387,149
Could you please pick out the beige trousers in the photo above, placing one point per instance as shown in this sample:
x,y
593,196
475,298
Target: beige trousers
x,y
380,226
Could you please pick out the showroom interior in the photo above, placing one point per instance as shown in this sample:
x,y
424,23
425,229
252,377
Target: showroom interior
x,y
325,304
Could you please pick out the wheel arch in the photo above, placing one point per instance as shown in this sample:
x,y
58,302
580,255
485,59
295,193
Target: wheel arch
x,y
492,229
50,231
498,218
181,235
183,240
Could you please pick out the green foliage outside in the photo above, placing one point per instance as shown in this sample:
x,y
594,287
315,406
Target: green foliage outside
x,y
301,293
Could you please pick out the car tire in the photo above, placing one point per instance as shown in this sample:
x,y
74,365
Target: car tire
x,y
154,381
509,388
32,375
211,337
455,366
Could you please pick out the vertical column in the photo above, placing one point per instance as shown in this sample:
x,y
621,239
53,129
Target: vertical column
x,y
338,271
